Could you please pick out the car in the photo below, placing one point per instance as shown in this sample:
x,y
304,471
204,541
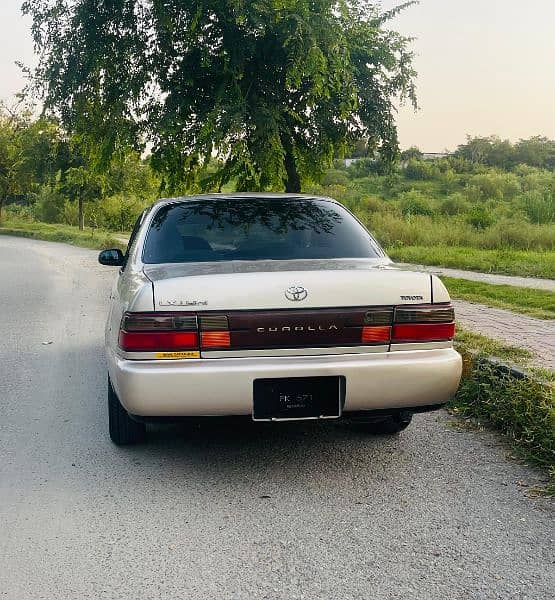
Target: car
x,y
276,307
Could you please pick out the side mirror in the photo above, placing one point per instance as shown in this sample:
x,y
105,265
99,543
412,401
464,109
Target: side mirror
x,y
111,258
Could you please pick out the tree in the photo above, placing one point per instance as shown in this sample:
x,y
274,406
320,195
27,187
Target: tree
x,y
272,89
361,149
412,153
536,152
130,175
82,184
491,151
9,161
14,176
39,140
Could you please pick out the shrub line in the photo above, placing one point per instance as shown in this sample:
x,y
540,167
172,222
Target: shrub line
x,y
514,400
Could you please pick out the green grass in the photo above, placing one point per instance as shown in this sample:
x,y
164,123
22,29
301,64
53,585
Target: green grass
x,y
95,239
467,341
522,408
509,262
527,301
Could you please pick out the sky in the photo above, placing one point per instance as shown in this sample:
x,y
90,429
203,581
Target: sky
x,y
484,67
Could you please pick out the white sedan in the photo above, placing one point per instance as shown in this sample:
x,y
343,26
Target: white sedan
x,y
274,306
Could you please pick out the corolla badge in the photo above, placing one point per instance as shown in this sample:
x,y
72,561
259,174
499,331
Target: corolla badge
x,y
296,293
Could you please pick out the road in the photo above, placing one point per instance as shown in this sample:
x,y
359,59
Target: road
x,y
309,511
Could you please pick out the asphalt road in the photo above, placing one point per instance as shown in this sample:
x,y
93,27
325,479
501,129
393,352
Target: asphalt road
x,y
310,511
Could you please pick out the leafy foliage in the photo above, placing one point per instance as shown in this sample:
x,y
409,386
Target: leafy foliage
x,y
493,151
522,408
272,88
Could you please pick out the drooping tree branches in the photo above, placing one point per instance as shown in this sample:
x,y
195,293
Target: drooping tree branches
x,y
273,89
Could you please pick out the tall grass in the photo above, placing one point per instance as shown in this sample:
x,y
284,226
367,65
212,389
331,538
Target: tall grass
x,y
508,262
68,234
424,230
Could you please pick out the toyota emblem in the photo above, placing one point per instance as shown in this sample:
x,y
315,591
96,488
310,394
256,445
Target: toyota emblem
x,y
296,293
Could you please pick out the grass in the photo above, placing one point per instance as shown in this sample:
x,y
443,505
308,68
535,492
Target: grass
x,y
527,301
522,263
521,407
467,341
96,239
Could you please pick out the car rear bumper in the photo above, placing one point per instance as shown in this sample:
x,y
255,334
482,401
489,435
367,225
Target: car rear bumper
x,y
224,386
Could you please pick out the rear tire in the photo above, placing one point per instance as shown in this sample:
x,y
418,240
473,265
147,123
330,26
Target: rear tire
x,y
124,430
388,425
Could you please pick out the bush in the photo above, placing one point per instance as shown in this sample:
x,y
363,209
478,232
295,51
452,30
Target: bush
x,y
539,205
116,213
414,203
49,205
521,407
518,234
70,213
372,204
493,186
419,170
365,167
480,217
335,177
19,212
455,204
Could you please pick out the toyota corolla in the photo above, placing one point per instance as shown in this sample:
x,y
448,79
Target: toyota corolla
x,y
277,307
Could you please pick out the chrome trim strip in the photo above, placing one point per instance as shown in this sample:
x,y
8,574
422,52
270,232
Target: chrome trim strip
x,y
408,346
274,419
296,351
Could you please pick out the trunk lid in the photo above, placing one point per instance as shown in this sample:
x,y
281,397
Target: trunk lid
x,y
263,285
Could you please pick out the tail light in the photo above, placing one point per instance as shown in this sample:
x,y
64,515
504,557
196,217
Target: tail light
x,y
165,332
426,323
176,334
173,332
214,332
377,326
376,335
430,323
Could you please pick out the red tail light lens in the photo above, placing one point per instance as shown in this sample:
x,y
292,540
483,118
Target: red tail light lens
x,y
423,332
154,341
427,323
153,332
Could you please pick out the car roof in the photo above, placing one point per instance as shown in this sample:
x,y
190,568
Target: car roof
x,y
239,196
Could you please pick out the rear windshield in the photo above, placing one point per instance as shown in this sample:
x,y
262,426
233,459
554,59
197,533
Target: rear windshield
x,y
255,229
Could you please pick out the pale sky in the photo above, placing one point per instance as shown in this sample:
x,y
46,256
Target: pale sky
x,y
484,67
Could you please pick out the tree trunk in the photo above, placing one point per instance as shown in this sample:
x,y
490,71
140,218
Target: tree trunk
x,y
293,181
81,215
2,200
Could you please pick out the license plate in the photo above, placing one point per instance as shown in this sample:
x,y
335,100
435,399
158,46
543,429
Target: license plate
x,y
296,398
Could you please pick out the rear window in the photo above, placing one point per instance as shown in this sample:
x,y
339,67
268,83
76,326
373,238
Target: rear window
x,y
255,229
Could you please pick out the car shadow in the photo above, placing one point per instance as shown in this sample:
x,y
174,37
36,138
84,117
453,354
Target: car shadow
x,y
241,450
